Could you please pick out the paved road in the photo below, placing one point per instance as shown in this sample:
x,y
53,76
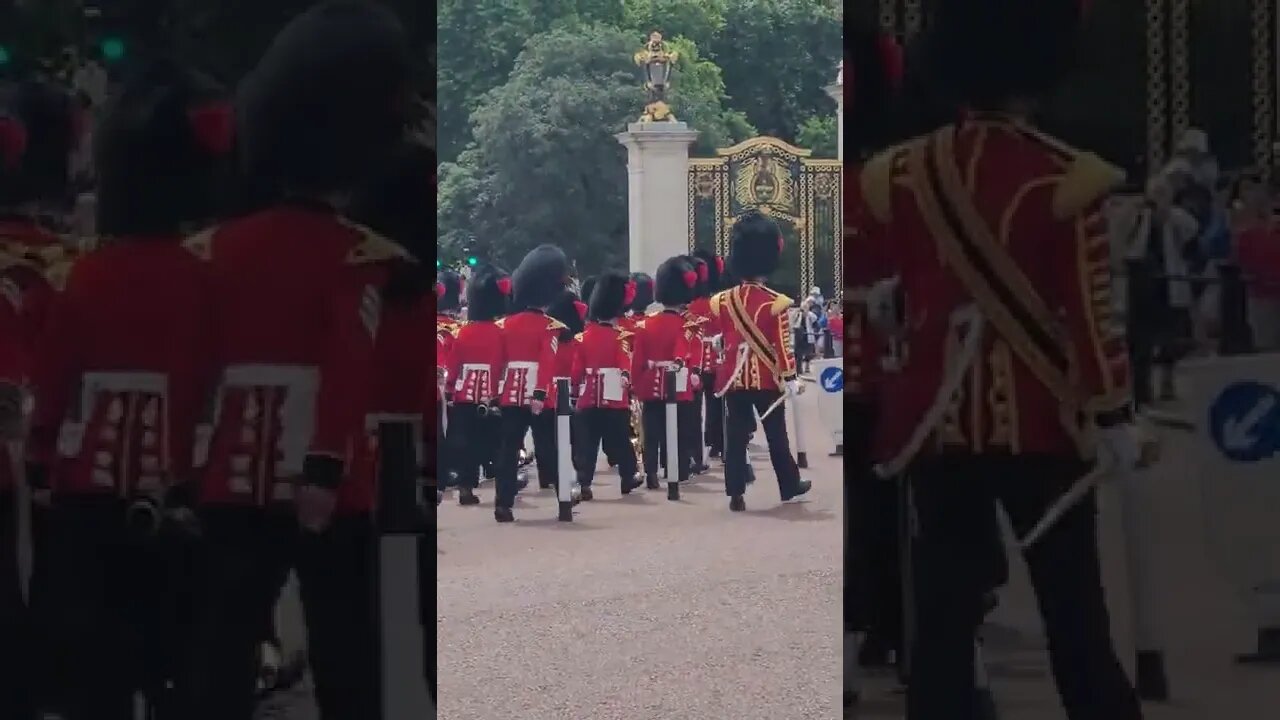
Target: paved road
x,y
644,608
1203,622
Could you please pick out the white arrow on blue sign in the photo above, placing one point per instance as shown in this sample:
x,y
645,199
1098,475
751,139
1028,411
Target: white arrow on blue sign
x,y
832,379
1244,421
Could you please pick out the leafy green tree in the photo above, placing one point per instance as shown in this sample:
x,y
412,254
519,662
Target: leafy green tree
x,y
820,134
545,166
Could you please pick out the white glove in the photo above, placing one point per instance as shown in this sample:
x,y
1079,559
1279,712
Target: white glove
x,y
794,387
1120,442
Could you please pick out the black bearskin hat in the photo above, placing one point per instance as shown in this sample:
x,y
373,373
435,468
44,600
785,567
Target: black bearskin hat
x,y
571,311
982,53
588,286
488,294
540,278
676,281
449,291
39,130
755,246
163,153
873,72
613,292
329,101
702,288
400,203
644,293
715,269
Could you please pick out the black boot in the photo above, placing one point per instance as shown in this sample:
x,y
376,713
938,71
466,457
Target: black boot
x,y
699,468
504,515
802,486
467,496
651,481
737,504
629,484
586,495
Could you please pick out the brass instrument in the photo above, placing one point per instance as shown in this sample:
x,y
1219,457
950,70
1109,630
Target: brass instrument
x,y
637,431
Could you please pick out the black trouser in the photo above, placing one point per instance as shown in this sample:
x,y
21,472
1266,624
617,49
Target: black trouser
x,y
119,610
446,463
490,427
610,428
873,564
336,580
697,450
654,420
516,422
466,440
741,423
17,625
247,554
956,563
713,431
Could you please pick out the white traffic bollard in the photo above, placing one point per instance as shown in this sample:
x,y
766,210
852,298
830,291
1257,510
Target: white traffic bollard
x,y
564,452
802,457
401,525
1137,518
672,435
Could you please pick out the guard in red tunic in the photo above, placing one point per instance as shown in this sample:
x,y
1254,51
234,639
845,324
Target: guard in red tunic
x,y
665,343
38,134
713,429
1016,375
121,376
572,313
602,372
475,364
450,289
696,326
530,338
297,292
760,365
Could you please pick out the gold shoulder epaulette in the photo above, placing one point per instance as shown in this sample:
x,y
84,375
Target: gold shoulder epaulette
x,y
653,313
555,324
780,304
1088,179
876,183
579,336
715,302
201,244
500,322
624,334
373,248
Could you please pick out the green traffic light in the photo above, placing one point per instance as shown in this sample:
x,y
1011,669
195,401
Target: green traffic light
x,y
472,261
5,57
113,49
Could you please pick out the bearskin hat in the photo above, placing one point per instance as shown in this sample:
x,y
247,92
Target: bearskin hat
x,y
400,202
644,293
676,281
540,278
612,293
715,269
982,53
488,294
570,311
329,101
588,286
755,246
39,130
702,288
163,153
449,291
873,72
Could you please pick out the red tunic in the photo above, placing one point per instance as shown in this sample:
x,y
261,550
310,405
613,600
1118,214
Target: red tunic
x,y
708,333
661,344
122,370
447,327
1038,204
566,355
748,312
297,304
403,390
475,362
529,343
602,351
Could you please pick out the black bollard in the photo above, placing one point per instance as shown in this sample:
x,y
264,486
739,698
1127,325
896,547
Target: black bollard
x,y
1237,335
564,453
401,528
673,437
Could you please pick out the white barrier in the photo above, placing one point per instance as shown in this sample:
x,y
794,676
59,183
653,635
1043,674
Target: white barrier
x,y
829,375
1234,403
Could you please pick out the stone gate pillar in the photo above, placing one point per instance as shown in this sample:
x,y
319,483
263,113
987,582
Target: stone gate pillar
x,y
657,191
836,92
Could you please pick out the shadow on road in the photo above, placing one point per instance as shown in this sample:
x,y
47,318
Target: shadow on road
x,y
793,512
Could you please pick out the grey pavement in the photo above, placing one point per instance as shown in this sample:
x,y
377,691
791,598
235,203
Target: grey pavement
x,y
1203,621
644,608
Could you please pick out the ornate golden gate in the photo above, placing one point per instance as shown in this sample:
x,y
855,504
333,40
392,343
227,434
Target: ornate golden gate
x,y
781,180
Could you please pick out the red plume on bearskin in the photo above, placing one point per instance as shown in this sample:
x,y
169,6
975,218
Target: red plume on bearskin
x,y
581,307
13,142
703,272
504,286
690,279
451,297
629,293
488,294
892,59
214,127
439,290
644,293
